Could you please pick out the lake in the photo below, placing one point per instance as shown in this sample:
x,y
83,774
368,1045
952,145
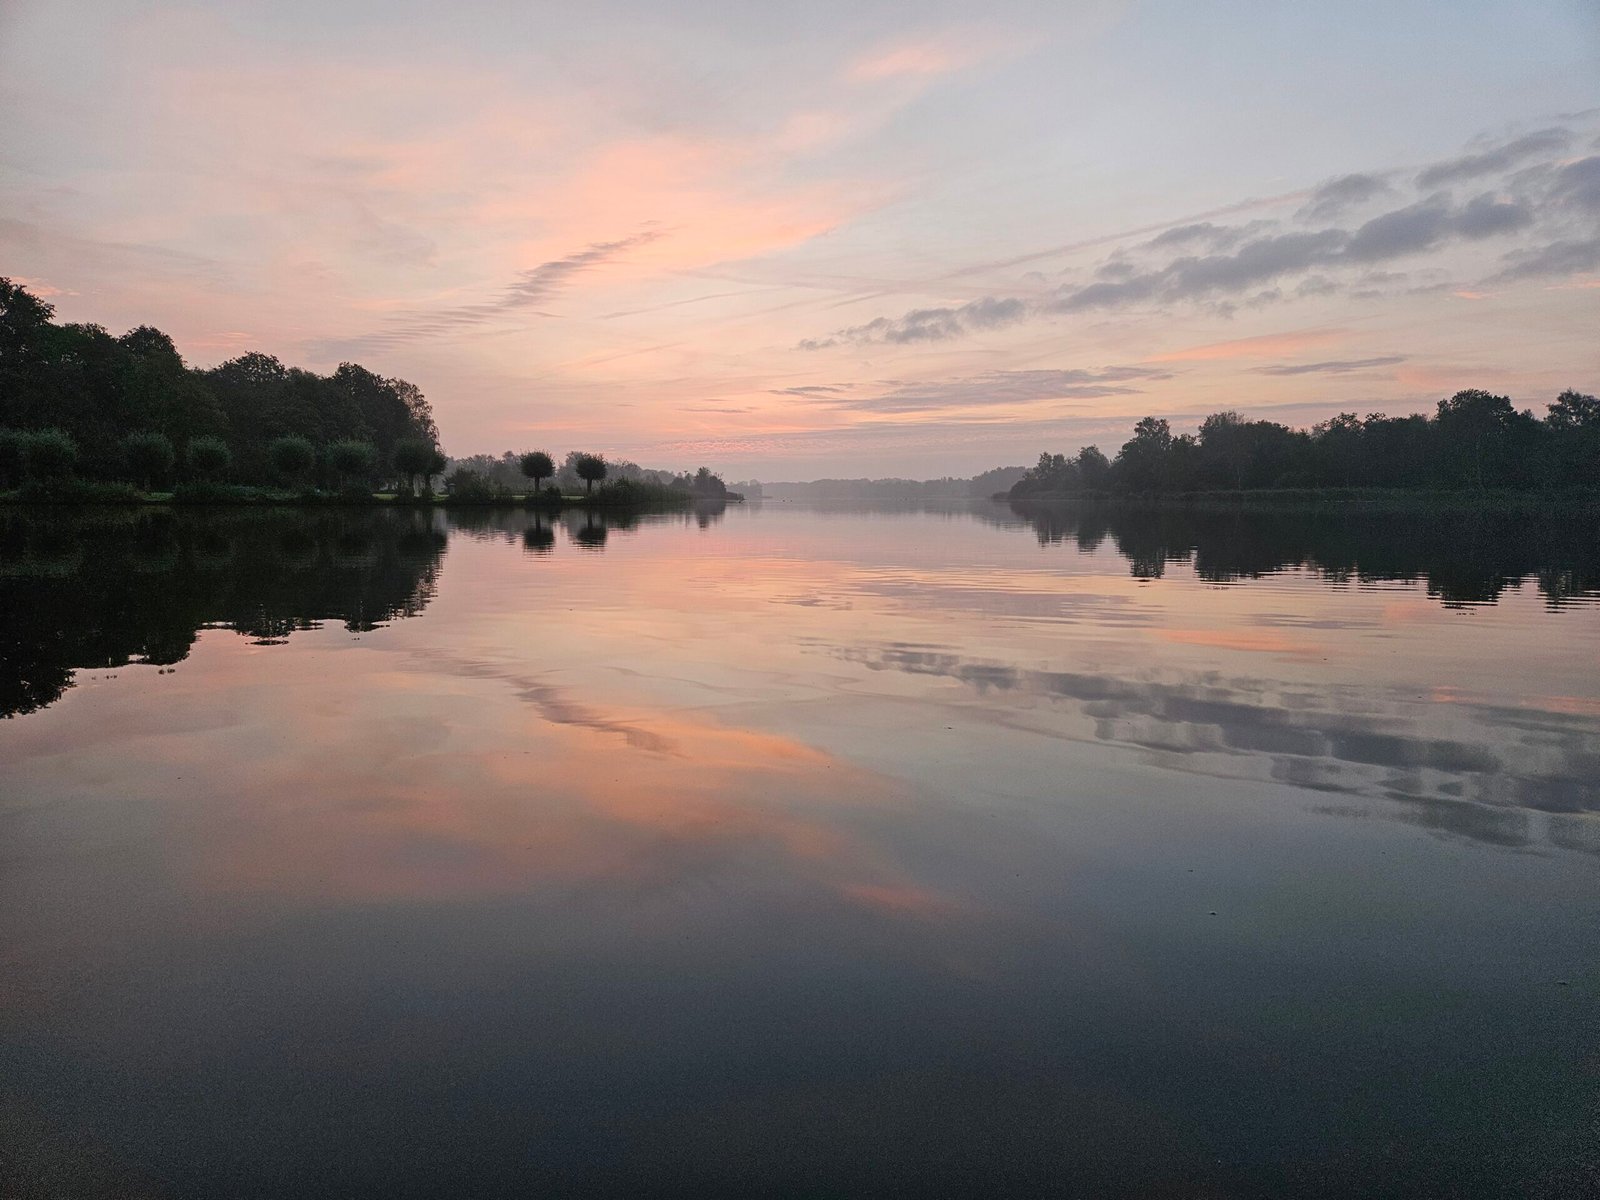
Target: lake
x,y
788,851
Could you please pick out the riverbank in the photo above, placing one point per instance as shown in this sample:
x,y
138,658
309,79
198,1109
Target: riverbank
x,y
612,497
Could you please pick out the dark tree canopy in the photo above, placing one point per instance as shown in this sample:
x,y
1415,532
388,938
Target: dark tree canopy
x,y
292,457
103,391
1474,440
209,457
591,468
537,466
150,458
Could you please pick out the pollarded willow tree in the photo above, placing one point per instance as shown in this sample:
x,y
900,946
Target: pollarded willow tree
x,y
591,468
537,466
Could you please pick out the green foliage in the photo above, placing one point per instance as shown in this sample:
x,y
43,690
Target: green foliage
x,y
437,463
206,491
70,490
413,457
49,454
472,487
209,457
628,493
13,457
150,458
351,460
100,389
292,458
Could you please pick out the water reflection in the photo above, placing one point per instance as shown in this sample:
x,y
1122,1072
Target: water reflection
x,y
111,588
1463,558
777,852
1486,772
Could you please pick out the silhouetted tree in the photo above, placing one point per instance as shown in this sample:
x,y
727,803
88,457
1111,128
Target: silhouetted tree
x,y
1575,410
412,457
437,462
591,468
538,466
100,390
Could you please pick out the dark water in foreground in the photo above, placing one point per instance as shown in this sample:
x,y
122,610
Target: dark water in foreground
x,y
784,852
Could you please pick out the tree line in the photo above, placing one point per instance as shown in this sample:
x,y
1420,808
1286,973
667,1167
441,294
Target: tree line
x,y
485,477
78,402
1474,440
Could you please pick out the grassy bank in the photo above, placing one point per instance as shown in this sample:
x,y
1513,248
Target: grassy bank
x,y
613,496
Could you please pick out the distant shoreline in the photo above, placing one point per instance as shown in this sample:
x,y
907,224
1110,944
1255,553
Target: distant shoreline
x,y
89,498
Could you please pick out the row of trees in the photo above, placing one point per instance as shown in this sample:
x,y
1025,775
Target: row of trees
x,y
1473,440
74,399
484,475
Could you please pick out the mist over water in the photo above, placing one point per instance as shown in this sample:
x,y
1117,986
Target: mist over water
x,y
788,850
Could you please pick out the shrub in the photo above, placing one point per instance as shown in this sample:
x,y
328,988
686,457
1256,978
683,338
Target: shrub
x,y
292,458
13,457
472,487
49,454
150,458
353,463
68,490
208,457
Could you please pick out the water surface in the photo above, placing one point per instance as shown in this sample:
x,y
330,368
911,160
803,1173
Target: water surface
x,y
781,851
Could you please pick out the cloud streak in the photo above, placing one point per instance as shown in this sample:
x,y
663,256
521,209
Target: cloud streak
x,y
1334,367
999,388
927,324
526,292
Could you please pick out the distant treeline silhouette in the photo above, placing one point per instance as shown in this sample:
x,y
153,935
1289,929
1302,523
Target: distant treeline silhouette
x,y
948,488
78,403
1474,440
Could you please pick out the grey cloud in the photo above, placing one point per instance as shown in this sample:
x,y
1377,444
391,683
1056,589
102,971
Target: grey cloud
x,y
1404,231
1335,196
1577,185
810,392
1117,268
1260,261
1256,263
1565,257
1484,216
1005,387
1500,158
1413,229
1207,235
928,324
1316,285
1335,367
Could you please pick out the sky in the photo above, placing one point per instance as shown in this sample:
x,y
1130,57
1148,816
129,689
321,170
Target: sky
x,y
829,239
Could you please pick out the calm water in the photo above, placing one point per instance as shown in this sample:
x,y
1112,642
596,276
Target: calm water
x,y
794,852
